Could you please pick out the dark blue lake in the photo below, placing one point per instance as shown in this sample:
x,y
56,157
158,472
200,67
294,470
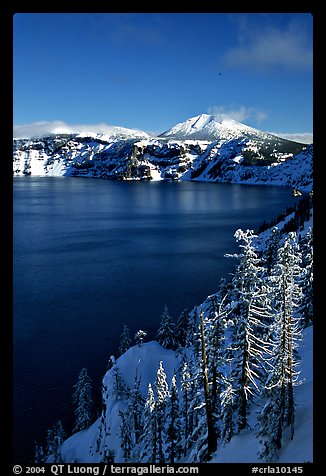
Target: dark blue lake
x,y
91,255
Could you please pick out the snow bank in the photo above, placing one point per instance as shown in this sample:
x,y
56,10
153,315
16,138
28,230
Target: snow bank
x,y
142,361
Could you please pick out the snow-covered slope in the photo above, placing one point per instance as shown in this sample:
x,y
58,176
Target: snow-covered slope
x,y
143,361
209,127
243,447
139,361
224,151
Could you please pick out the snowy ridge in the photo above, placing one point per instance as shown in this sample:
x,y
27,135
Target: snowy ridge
x,y
115,132
209,127
200,149
110,132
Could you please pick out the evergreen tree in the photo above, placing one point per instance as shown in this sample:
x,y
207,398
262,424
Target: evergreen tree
x,y
125,341
149,436
103,430
250,298
194,331
140,336
166,333
279,410
185,403
173,446
136,406
227,401
182,329
271,419
82,398
197,424
272,246
215,340
162,392
306,307
121,390
211,430
126,436
192,408
39,456
54,439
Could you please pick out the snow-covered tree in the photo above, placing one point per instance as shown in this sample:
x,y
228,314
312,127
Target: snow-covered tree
x,y
227,398
111,362
306,306
121,390
210,421
166,336
82,398
140,336
54,439
162,393
127,444
173,435
103,430
148,438
215,341
192,405
279,410
185,405
125,341
272,246
250,303
136,404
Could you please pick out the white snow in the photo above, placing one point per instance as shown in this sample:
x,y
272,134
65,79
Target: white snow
x,y
141,360
210,127
243,447
144,361
156,174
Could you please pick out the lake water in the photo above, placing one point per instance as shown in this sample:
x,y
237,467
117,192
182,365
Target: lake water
x,y
91,255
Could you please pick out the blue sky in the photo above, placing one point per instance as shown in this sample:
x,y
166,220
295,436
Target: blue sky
x,y
152,70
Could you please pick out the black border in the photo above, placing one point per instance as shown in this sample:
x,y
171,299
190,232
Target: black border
x,y
7,11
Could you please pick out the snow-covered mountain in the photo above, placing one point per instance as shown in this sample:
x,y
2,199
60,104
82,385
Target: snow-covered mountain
x,y
60,128
201,148
209,127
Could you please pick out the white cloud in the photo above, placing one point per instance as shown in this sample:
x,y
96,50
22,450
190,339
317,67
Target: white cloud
x,y
41,128
239,113
266,47
302,137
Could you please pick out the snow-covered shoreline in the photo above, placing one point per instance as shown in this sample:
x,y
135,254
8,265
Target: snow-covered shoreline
x,y
227,152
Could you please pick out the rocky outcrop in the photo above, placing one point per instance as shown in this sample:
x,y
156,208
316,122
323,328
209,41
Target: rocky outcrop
x,y
240,160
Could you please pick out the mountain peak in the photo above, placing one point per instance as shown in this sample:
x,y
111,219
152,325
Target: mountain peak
x,y
211,127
